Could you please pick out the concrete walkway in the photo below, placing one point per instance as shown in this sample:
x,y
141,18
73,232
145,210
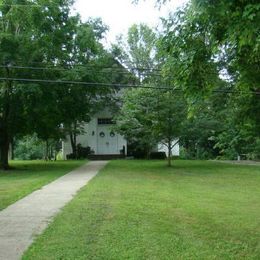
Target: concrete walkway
x,y
241,162
28,217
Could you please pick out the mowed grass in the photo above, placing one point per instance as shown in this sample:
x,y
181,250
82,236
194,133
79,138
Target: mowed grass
x,y
28,176
145,210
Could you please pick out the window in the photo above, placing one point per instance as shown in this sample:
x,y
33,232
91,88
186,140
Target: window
x,y
105,121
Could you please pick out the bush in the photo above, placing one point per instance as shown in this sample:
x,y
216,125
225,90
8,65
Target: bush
x,y
29,148
59,156
139,154
71,156
82,153
158,155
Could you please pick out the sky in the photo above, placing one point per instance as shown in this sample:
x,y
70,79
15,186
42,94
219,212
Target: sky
x,y
119,15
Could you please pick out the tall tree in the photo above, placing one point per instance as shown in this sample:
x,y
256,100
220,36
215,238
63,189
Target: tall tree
x,y
14,38
137,50
48,45
152,116
134,119
169,117
208,42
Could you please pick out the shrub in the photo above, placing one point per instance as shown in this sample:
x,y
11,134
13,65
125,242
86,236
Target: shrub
x,y
59,156
158,155
29,148
82,153
139,154
71,156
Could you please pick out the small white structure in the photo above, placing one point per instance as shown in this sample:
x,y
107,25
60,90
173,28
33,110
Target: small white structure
x,y
175,149
99,136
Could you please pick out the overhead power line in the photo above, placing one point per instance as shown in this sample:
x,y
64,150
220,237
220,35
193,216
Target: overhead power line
x,y
88,69
89,66
96,69
115,85
17,5
28,5
93,84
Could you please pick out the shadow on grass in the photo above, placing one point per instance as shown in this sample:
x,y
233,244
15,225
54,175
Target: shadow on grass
x,y
179,167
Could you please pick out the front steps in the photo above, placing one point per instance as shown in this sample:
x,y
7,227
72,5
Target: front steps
x,y
105,157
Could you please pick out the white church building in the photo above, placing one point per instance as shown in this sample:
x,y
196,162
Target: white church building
x,y
99,135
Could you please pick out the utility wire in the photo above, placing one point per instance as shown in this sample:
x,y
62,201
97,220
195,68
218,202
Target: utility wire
x,y
90,66
122,70
115,85
130,69
94,84
51,65
90,69
28,5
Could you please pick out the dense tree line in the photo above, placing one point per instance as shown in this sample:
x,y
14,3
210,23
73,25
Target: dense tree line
x,y
213,54
41,41
209,52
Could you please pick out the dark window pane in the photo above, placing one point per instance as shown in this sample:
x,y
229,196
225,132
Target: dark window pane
x,y
105,121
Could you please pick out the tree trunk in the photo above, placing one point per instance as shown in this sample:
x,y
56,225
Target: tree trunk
x,y
147,154
47,151
169,154
12,147
55,155
73,142
4,134
4,151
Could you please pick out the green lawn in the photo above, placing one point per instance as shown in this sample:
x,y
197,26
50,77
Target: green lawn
x,y
28,176
144,210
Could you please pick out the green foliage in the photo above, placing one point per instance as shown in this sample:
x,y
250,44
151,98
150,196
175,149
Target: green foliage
x,y
209,48
158,155
187,52
29,34
137,51
41,40
29,148
135,119
149,116
82,153
233,27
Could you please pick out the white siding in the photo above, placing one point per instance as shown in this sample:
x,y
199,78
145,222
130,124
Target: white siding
x,y
91,137
175,149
